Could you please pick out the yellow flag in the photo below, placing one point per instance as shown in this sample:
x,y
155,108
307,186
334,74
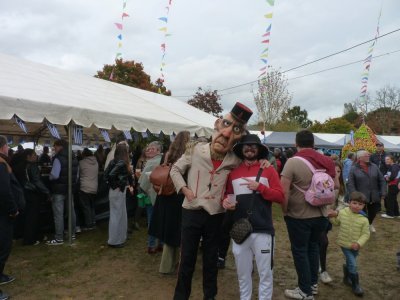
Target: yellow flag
x,y
119,45
264,55
268,16
163,29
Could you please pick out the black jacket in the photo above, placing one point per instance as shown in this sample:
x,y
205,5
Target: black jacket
x,y
33,174
117,176
60,185
7,202
379,160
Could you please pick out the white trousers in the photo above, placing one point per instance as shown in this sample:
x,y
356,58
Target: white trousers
x,y
259,245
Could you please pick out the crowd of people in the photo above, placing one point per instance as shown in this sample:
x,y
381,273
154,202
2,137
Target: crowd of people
x,y
218,184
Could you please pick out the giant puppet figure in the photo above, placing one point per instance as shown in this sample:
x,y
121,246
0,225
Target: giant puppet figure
x,y
207,166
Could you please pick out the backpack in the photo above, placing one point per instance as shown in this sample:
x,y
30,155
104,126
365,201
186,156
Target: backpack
x,y
322,188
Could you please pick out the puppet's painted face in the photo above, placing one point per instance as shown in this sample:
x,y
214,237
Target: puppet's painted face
x,y
227,132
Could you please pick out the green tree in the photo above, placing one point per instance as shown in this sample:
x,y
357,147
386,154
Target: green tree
x,y
132,73
207,100
333,125
297,115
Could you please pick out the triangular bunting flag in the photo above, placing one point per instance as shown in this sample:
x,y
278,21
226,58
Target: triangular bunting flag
x,y
78,135
266,34
21,124
163,29
127,134
164,19
124,15
119,26
268,16
271,2
105,135
264,61
269,28
265,41
53,130
119,36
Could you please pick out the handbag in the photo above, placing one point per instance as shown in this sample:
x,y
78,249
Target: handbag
x,y
242,228
161,180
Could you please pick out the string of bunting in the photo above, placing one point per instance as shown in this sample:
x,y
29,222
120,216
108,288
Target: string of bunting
x,y
164,30
120,27
367,66
266,37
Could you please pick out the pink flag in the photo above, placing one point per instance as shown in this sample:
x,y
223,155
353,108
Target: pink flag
x,y
266,34
265,41
124,15
119,25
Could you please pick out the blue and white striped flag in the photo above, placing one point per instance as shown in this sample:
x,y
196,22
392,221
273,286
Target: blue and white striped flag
x,y
127,134
352,137
172,137
144,134
78,135
21,124
105,135
53,130
10,139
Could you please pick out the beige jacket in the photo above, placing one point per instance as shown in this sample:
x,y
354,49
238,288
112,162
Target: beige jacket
x,y
207,184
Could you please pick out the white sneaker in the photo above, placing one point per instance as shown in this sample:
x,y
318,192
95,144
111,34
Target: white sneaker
x,y
297,294
386,216
314,289
325,278
372,228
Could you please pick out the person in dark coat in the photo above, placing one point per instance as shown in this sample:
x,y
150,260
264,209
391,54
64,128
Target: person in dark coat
x,y
8,211
391,176
366,178
167,214
59,188
378,158
44,159
35,192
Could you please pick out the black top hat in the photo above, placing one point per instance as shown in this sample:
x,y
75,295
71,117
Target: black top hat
x,y
241,112
250,139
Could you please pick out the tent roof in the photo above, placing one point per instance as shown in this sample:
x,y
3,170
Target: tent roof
x,y
287,139
35,92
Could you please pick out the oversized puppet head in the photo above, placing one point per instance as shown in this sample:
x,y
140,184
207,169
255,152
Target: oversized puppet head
x,y
230,129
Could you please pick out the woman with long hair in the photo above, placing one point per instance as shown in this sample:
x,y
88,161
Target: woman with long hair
x,y
35,191
167,214
118,176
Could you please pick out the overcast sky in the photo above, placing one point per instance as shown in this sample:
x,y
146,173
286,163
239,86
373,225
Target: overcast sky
x,y
214,44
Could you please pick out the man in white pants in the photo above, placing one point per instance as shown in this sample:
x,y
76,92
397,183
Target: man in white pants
x,y
257,197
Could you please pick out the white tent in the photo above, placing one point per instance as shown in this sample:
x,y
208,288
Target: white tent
x,y
35,92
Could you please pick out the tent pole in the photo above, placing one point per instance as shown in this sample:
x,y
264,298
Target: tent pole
x,y
70,183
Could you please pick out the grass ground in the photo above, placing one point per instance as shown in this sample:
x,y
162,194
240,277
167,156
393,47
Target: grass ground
x,y
91,270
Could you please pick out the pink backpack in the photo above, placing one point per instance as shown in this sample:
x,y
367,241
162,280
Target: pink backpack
x,y
322,189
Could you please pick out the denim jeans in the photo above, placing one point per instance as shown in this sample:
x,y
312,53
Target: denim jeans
x,y
351,259
304,235
58,204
